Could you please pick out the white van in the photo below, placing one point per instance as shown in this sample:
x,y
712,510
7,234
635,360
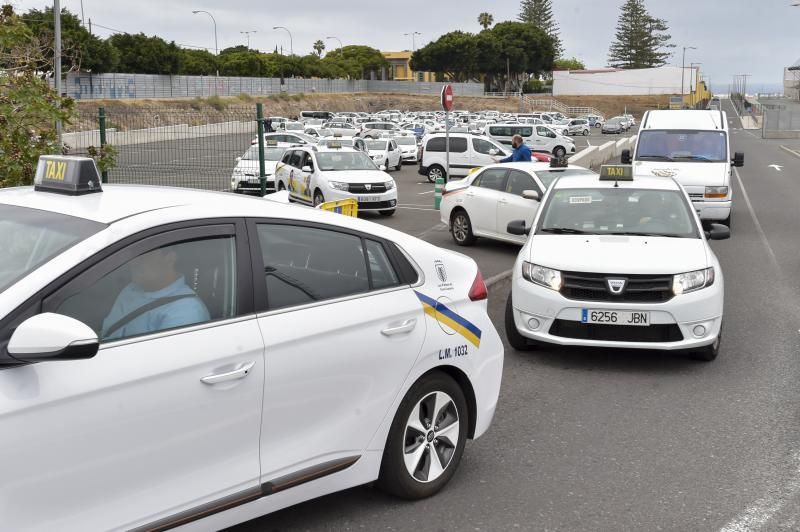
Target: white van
x,y
467,151
536,137
692,146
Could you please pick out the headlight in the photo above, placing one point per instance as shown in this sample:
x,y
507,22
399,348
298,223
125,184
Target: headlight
x,y
337,185
716,192
389,185
689,282
542,276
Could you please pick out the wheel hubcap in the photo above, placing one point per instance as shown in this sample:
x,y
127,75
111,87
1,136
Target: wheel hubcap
x,y
460,228
431,437
436,173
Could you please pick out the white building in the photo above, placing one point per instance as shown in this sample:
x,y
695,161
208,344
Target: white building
x,y
617,82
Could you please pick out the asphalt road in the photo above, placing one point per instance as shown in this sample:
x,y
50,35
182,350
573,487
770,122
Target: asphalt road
x,y
596,440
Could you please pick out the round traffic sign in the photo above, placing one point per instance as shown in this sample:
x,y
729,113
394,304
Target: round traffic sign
x,y
447,97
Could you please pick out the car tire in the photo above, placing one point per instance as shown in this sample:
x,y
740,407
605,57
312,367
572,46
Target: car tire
x,y
409,443
598,125
586,132
387,212
318,197
559,151
708,353
399,164
461,228
434,172
727,221
515,339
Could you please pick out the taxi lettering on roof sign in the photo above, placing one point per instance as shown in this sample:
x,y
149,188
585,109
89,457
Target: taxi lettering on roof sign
x,y
616,172
67,175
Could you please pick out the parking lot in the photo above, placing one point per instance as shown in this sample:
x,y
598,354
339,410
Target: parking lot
x,y
588,439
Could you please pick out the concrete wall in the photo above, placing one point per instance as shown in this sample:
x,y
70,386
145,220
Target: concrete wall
x,y
82,86
791,84
663,80
595,156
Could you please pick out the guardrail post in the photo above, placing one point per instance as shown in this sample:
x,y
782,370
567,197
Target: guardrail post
x,y
101,118
261,169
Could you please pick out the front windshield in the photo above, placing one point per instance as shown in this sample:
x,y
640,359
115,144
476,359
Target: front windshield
x,y
30,237
270,154
548,176
406,141
376,145
350,160
295,127
701,146
347,142
618,211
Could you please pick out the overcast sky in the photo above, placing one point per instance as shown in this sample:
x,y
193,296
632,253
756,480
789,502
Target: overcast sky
x,y
757,37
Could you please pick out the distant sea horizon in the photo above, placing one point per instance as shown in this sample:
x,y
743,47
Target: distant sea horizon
x,y
753,87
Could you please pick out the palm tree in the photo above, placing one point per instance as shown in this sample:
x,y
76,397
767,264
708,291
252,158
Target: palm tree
x,y
318,47
485,20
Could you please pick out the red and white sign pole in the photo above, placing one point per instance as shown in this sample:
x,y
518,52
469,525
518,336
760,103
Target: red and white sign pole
x,y
447,105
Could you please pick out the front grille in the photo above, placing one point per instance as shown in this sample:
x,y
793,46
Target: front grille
x,y
391,204
639,288
616,333
697,196
361,188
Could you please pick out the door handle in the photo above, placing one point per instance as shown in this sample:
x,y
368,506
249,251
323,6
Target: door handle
x,y
503,202
239,373
406,326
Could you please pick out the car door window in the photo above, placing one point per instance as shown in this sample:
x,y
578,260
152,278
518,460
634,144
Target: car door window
x,y
458,145
435,145
485,147
519,181
307,161
542,131
381,270
305,265
492,178
295,159
171,286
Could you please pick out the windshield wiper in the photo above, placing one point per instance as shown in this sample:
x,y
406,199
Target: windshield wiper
x,y
564,231
698,158
636,233
656,157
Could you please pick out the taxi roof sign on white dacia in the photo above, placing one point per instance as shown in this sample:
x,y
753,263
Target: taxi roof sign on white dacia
x,y
616,172
64,174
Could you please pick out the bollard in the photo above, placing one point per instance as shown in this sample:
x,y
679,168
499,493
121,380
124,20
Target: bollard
x,y
437,189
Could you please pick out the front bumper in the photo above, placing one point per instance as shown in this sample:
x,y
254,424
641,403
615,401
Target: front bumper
x,y
559,319
380,202
251,184
713,210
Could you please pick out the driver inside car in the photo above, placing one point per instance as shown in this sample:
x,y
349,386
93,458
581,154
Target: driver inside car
x,y
156,299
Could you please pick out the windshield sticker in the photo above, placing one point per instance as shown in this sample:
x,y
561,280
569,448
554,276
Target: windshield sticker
x,y
580,199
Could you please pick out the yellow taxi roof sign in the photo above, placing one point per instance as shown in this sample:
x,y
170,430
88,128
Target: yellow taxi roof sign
x,y
616,172
65,174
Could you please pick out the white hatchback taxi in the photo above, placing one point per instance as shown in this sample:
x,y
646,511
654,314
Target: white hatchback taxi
x,y
181,358
314,175
617,262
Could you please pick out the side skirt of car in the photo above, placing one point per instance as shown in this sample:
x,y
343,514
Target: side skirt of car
x,y
269,488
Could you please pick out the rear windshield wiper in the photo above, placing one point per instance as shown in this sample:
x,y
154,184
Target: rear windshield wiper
x,y
656,157
564,231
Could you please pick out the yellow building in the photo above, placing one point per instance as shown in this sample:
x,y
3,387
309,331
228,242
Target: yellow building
x,y
400,68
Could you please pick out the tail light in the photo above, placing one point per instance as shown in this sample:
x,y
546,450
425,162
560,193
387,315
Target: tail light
x,y
478,290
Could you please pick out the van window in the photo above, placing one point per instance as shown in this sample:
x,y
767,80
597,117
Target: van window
x,y
683,145
437,144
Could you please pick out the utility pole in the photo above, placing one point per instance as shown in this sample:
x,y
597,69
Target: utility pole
x,y
248,36
57,61
683,71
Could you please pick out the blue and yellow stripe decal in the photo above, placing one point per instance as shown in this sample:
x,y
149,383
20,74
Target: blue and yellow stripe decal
x,y
440,312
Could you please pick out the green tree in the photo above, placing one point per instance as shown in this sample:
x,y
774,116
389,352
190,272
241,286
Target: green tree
x,y
358,61
80,49
319,47
540,14
244,64
455,54
485,20
568,64
140,54
29,108
198,63
518,48
641,40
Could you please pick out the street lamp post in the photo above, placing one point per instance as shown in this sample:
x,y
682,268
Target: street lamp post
x,y
413,49
248,36
683,70
57,61
291,45
216,46
340,45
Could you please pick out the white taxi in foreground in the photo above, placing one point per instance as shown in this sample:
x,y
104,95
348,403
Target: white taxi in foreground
x,y
147,338
317,174
483,203
617,263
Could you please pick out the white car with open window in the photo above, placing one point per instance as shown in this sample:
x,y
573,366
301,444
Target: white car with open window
x,y
617,262
185,358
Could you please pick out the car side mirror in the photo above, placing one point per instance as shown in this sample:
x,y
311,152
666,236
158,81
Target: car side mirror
x,y
625,157
718,232
50,336
517,227
738,159
531,195
383,167
307,168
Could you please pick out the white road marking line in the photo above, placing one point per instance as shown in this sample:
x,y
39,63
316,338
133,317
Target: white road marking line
x,y
428,205
795,153
760,512
416,208
428,192
497,278
777,167
762,235
438,227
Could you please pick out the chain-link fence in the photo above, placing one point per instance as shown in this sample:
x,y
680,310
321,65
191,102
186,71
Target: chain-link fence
x,y
172,147
781,123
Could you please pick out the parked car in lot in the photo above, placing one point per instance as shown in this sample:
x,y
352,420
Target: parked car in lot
x,y
466,152
343,129
374,130
285,138
344,142
245,178
614,125
314,175
483,203
409,148
385,153
619,263
595,120
148,335
579,126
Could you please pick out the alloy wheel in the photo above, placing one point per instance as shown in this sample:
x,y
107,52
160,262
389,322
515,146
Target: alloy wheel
x,y
431,436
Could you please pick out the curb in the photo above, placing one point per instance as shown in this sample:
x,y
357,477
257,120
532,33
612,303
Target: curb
x,y
491,281
791,151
